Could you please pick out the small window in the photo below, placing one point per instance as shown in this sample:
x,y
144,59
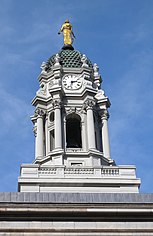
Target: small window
x,y
51,117
76,164
52,140
73,132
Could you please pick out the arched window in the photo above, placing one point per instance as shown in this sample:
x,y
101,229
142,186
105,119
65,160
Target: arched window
x,y
73,131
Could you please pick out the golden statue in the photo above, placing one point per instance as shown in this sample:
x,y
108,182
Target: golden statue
x,y
68,34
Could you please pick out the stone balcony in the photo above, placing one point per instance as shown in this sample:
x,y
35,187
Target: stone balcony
x,y
65,172
36,178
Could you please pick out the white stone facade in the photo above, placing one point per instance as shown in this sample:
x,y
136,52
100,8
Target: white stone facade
x,y
71,214
72,150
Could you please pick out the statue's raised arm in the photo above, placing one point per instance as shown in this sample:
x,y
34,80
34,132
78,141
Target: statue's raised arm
x,y
68,34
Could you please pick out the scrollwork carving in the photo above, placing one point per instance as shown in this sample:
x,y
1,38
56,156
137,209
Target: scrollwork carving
x,y
35,130
74,111
42,90
40,112
88,104
104,115
56,103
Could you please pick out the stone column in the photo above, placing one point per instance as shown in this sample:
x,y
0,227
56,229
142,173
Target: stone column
x,y
99,144
58,125
64,141
83,136
90,125
46,135
105,135
39,152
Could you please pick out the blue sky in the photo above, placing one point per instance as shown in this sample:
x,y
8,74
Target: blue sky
x,y
115,34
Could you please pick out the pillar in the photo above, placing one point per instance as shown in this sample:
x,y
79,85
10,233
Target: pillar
x,y
39,152
105,135
90,126
58,125
83,136
46,135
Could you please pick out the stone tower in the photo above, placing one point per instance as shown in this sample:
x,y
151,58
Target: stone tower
x,y
72,151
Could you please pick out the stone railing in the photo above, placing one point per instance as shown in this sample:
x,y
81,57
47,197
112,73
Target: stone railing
x,y
47,171
74,171
110,171
79,171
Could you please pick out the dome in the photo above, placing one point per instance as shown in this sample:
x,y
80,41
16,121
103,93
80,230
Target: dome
x,y
68,58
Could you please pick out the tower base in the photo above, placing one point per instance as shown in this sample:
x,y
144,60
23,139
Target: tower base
x,y
47,178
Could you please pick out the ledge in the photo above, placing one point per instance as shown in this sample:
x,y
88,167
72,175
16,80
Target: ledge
x,y
67,198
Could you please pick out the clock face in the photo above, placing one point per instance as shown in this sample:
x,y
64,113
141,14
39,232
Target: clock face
x,y
72,82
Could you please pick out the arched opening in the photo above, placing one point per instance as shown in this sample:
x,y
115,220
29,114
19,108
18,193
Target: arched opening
x,y
73,132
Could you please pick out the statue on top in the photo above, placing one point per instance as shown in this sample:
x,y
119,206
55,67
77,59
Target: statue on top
x,y
68,34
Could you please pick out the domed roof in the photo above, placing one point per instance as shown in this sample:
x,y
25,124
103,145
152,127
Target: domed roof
x,y
68,58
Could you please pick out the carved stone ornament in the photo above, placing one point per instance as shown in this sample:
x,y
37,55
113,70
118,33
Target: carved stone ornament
x,y
70,110
35,130
88,104
100,94
54,82
40,112
104,115
56,103
42,90
51,83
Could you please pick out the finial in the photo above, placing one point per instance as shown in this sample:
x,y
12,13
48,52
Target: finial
x,y
68,34
43,67
57,60
96,70
84,61
97,76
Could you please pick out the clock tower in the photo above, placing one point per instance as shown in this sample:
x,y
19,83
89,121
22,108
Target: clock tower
x,y
72,150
